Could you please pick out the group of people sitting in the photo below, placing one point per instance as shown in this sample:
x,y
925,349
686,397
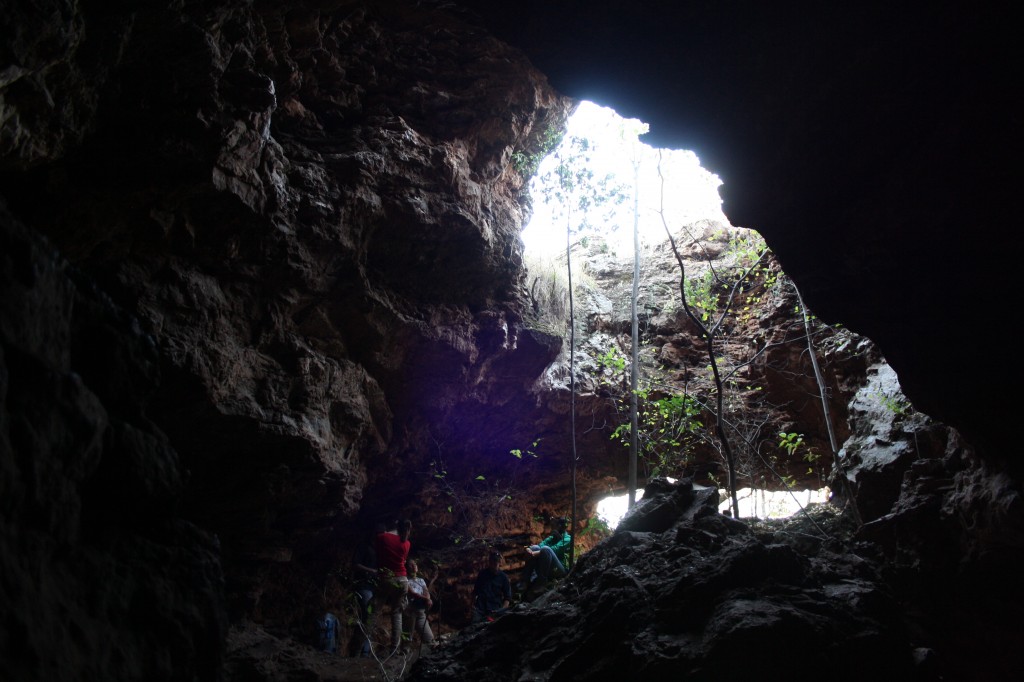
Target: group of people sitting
x,y
385,575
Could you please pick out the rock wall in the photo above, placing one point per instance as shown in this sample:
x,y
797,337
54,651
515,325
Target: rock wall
x,y
680,591
103,577
760,346
309,217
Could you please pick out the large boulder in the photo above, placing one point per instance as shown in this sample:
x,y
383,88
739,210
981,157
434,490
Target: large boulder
x,y
680,591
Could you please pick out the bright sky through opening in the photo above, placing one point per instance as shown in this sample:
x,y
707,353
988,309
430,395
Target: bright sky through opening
x,y
691,192
762,504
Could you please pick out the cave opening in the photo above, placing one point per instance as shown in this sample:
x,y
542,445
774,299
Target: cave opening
x,y
754,503
598,184
611,143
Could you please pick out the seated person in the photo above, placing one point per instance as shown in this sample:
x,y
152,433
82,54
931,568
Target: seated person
x,y
549,558
492,591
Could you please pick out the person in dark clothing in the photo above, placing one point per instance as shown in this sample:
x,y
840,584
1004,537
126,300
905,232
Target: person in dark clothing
x,y
492,591
364,567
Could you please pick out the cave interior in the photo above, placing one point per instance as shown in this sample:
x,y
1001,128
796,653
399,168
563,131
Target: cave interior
x,y
263,287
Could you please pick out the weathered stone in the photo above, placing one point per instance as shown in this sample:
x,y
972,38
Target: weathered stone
x,y
641,604
102,576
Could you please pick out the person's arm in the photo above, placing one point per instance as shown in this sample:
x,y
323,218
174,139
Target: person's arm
x,y
430,586
479,600
425,592
366,562
506,592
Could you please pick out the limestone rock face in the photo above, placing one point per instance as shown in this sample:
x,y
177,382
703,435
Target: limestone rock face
x,y
957,522
761,348
889,436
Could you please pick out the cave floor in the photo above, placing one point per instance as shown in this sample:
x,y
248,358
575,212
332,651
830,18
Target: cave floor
x,y
253,653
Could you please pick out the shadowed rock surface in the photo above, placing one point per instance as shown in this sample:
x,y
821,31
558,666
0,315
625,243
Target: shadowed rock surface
x,y
682,592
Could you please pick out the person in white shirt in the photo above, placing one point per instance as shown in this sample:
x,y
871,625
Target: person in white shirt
x,y
419,603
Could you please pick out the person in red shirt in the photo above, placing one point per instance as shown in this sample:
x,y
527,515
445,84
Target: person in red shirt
x,y
392,550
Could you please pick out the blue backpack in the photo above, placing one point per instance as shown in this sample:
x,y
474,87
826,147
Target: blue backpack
x,y
329,633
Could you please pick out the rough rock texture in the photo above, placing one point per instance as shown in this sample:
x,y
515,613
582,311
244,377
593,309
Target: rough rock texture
x,y
102,576
311,215
318,224
255,654
889,437
957,523
761,348
682,592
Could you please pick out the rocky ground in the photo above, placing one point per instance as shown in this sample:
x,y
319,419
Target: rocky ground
x,y
680,591
677,591
255,654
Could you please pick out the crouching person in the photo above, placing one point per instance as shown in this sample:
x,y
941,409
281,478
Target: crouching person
x,y
492,590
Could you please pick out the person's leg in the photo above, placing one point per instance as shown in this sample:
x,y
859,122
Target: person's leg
x,y
396,628
530,568
548,564
364,597
398,601
423,627
558,567
402,605
408,621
